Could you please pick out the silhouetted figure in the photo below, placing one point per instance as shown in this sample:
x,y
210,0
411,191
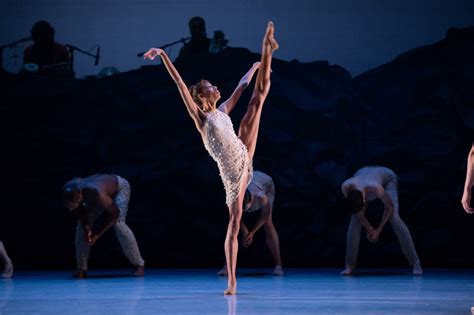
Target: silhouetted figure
x,y
466,200
8,266
106,196
52,59
260,196
368,184
218,42
199,43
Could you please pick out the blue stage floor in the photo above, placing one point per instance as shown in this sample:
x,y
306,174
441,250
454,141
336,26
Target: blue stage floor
x,y
313,291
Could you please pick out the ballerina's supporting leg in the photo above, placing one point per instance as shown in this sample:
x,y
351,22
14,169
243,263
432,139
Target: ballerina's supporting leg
x,y
248,132
231,245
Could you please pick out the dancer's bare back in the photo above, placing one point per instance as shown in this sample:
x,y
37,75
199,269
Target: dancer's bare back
x,y
369,180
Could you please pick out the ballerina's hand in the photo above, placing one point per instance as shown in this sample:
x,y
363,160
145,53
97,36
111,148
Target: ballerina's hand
x,y
257,65
152,53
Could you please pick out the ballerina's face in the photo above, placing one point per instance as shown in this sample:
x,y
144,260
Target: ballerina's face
x,y
210,92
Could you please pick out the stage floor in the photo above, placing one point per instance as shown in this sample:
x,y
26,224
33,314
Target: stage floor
x,y
308,291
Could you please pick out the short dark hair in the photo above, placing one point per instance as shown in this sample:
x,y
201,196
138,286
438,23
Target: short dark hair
x,y
355,201
70,190
69,194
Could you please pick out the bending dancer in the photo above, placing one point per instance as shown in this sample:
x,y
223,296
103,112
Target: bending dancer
x,y
368,184
8,266
260,195
232,153
467,195
107,196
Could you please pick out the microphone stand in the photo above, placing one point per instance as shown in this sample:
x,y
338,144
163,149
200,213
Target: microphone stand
x,y
11,45
182,40
71,52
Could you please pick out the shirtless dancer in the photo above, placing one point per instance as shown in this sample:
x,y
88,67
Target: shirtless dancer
x,y
101,195
368,184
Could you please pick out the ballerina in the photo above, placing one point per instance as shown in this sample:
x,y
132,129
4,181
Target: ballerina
x,y
233,153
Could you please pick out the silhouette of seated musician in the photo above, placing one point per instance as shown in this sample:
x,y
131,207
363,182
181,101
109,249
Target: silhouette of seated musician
x,y
46,57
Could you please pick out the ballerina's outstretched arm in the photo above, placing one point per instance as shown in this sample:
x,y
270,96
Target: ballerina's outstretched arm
x,y
194,111
229,104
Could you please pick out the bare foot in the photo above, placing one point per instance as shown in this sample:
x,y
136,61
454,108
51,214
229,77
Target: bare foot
x,y
417,271
348,271
80,274
278,271
222,272
231,290
270,37
7,271
139,271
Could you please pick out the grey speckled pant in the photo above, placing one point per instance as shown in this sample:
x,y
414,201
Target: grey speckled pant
x,y
122,231
399,227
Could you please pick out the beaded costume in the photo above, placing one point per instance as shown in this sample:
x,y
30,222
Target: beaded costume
x,y
228,151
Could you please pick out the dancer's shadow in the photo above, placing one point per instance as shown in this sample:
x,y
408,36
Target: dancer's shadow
x,y
255,274
381,273
106,276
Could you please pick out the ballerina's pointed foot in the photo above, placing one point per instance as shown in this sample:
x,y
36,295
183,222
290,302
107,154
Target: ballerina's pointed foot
x,y
231,290
270,37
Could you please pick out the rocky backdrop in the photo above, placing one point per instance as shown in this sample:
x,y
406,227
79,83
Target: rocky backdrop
x,y
319,125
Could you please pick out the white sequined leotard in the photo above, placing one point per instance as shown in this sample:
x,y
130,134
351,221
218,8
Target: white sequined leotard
x,y
228,151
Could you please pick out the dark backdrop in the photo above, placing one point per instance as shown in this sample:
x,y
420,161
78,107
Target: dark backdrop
x,y
319,125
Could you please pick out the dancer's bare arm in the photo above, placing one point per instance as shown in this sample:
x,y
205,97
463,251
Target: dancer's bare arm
x,y
466,197
363,220
103,203
387,214
243,229
83,215
229,104
388,211
193,109
265,212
